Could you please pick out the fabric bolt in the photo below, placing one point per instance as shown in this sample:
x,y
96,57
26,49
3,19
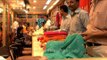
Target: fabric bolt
x,y
52,35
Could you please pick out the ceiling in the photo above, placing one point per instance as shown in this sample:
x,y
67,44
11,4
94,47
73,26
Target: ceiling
x,y
36,6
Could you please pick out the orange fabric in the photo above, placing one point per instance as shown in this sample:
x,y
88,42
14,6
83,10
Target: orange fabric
x,y
49,38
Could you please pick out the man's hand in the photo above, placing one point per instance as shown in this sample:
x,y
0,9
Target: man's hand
x,y
87,35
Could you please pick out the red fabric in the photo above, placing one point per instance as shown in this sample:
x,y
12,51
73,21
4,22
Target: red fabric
x,y
54,33
58,19
85,4
47,38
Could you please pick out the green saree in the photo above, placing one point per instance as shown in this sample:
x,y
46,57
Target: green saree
x,y
71,47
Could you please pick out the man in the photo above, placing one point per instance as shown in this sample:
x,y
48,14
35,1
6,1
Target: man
x,y
65,17
97,29
14,26
48,23
79,17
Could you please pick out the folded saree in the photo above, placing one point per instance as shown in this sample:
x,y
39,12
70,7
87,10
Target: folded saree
x,y
71,47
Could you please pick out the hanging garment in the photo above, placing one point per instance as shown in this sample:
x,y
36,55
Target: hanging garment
x,y
85,4
58,19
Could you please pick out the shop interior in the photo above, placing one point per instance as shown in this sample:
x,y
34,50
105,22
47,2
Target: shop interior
x,y
32,30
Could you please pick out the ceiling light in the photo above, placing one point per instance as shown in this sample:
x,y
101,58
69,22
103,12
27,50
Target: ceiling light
x,y
1,10
53,5
44,7
34,7
48,1
34,1
25,11
28,7
22,3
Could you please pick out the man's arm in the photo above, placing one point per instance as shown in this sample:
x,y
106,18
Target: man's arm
x,y
100,34
88,35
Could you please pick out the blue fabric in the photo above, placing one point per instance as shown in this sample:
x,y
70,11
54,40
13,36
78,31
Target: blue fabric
x,y
40,21
72,47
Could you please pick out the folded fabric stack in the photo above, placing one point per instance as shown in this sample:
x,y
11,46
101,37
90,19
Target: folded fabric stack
x,y
52,35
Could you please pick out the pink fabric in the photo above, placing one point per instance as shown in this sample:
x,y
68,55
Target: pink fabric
x,y
55,33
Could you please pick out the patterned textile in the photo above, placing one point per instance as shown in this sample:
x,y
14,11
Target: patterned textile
x,y
72,47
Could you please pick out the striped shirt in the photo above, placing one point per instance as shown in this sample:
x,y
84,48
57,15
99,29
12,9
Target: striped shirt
x,y
78,22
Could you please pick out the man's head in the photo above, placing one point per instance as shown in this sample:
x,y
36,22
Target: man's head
x,y
46,17
63,9
73,4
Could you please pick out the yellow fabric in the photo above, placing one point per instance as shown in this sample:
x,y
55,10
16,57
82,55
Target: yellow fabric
x,y
24,29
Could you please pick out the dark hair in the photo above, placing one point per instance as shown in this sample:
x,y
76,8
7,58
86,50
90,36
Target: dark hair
x,y
64,8
46,16
77,0
28,24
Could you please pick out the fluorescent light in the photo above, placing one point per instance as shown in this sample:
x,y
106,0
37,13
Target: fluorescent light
x,y
1,10
56,2
34,7
53,5
34,1
25,11
48,1
22,3
45,7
